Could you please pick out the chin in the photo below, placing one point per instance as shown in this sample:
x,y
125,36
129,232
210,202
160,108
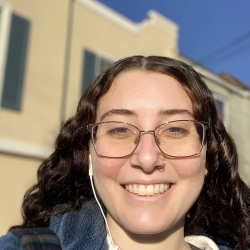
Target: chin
x,y
147,227
145,231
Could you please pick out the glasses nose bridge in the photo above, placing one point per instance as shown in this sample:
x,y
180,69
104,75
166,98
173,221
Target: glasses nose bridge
x,y
142,132
147,132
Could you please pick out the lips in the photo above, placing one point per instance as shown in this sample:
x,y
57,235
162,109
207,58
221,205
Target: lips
x,y
147,190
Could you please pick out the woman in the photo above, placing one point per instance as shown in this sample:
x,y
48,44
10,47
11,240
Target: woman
x,y
147,142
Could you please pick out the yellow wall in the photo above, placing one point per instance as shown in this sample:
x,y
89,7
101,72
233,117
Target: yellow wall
x,y
43,75
17,174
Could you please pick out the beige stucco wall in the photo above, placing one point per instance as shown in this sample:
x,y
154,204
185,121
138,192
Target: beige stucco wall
x,y
223,93
17,174
38,121
43,76
239,129
244,153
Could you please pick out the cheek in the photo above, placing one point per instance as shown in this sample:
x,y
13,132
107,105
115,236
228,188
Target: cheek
x,y
191,173
107,168
106,172
191,169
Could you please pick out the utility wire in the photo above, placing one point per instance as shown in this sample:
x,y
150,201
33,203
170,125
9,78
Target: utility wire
x,y
224,48
230,54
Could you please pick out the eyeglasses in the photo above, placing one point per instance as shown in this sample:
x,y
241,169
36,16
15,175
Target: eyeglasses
x,y
181,138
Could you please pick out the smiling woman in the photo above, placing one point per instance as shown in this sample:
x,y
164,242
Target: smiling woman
x,y
147,154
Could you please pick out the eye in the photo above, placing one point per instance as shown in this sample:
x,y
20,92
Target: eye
x,y
177,131
119,132
174,131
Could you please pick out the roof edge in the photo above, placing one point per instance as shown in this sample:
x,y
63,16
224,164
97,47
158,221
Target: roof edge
x,y
215,78
152,18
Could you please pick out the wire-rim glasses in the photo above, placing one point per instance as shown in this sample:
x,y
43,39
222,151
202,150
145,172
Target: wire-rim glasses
x,y
176,139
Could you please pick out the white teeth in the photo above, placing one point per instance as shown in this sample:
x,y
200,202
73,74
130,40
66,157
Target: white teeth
x,y
157,189
162,188
150,190
142,190
147,190
135,189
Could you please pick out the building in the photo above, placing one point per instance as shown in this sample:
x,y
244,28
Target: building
x,y
49,53
232,99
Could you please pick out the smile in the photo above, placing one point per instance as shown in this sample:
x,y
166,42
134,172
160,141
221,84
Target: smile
x,y
147,190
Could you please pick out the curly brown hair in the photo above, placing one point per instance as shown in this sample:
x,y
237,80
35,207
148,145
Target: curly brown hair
x,y
222,209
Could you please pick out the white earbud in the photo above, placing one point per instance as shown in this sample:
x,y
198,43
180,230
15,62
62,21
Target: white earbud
x,y
93,189
90,166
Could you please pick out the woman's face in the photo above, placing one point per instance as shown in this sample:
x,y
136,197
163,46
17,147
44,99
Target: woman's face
x,y
146,100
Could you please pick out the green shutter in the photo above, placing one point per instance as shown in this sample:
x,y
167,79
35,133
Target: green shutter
x,y
89,64
15,64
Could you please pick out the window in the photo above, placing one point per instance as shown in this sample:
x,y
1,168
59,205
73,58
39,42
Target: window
x,y
5,19
93,65
13,65
220,104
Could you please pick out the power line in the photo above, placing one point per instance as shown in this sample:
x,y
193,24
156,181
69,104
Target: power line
x,y
224,48
231,54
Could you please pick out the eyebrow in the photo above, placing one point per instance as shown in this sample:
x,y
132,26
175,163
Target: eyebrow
x,y
118,112
133,113
175,112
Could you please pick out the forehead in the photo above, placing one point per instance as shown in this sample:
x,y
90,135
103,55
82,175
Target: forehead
x,y
144,92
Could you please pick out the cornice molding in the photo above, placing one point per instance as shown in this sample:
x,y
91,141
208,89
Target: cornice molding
x,y
215,78
153,19
21,148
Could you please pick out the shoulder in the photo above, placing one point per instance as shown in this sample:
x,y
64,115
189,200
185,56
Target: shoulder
x,y
87,217
30,238
10,241
81,229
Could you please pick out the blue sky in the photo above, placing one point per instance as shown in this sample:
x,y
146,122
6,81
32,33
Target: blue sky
x,y
204,27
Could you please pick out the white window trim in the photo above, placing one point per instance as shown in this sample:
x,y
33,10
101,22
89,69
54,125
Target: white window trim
x,y
226,108
4,38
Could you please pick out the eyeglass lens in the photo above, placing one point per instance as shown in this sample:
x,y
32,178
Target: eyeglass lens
x,y
177,138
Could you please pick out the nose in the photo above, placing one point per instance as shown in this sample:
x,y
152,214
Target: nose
x,y
147,155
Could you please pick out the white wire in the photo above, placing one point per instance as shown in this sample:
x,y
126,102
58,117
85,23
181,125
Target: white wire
x,y
93,188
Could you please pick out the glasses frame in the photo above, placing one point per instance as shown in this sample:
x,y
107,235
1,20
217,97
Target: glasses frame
x,y
205,125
